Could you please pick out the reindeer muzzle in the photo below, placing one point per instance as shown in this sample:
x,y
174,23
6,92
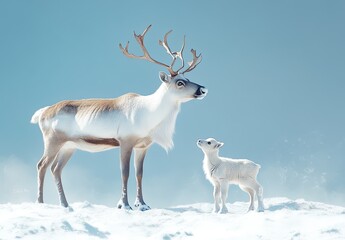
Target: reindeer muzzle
x,y
201,92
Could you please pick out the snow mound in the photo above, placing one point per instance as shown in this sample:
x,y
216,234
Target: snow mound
x,y
283,219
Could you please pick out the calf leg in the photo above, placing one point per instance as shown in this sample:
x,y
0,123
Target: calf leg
x,y
259,193
224,187
139,169
216,196
253,184
251,196
56,169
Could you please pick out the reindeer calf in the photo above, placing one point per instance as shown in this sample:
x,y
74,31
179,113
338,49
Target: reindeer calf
x,y
222,171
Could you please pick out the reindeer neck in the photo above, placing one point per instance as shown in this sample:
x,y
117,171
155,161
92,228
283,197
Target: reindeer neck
x,y
161,112
161,103
212,157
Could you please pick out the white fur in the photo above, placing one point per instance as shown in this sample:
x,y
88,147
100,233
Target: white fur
x,y
222,171
36,117
140,116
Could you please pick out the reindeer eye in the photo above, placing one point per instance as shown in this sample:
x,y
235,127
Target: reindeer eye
x,y
180,83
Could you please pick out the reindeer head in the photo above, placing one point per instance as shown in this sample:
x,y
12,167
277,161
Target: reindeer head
x,y
179,86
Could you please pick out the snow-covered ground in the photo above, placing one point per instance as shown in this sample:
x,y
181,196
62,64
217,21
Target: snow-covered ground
x,y
283,219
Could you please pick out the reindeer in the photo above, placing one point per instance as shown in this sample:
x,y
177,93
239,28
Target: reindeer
x,y
131,122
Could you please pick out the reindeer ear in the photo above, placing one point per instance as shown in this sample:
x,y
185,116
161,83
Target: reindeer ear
x,y
164,77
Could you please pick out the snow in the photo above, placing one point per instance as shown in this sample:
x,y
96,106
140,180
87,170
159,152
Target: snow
x,y
283,219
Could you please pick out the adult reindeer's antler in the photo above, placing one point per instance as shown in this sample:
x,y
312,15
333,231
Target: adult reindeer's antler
x,y
146,56
140,39
196,60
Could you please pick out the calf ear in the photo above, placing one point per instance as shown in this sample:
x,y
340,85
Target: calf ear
x,y
219,145
164,77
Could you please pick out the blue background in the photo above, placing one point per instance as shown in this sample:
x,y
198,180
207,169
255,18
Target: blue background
x,y
275,71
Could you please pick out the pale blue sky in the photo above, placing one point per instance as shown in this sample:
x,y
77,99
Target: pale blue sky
x,y
275,71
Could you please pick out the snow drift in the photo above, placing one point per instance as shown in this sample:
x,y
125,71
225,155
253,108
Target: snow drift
x,y
282,219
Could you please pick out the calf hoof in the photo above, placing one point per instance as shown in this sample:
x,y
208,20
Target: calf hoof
x,y
216,209
260,209
251,208
223,210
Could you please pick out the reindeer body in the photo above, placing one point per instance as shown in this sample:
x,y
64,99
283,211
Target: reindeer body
x,y
131,122
99,124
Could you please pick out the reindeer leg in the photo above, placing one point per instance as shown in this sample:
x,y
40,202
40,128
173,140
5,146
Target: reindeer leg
x,y
126,152
138,164
50,151
56,169
41,172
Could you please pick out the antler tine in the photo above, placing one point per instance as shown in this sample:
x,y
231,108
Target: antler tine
x,y
140,40
179,54
196,60
174,55
146,30
125,50
146,56
140,37
126,53
165,44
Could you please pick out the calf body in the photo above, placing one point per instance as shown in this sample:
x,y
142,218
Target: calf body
x,y
222,171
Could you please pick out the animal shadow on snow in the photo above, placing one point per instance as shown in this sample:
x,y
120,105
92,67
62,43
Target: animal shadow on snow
x,y
239,208
289,205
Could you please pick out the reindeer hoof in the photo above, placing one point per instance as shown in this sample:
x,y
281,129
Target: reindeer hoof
x,y
144,207
141,205
68,209
64,204
122,205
